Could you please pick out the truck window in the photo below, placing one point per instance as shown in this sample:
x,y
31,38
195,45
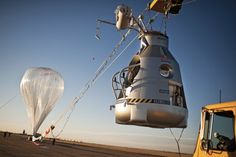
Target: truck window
x,y
219,131
223,131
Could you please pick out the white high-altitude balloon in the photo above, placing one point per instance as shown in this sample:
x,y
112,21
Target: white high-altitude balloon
x,y
41,88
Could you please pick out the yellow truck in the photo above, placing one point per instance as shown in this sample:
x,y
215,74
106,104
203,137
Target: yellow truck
x,y
216,137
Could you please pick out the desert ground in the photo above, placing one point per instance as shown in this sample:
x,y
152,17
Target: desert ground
x,y
17,145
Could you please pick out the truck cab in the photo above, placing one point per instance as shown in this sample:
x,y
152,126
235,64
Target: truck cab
x,y
216,135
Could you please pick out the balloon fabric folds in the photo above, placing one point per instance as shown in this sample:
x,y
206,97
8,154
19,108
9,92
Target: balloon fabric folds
x,y
40,88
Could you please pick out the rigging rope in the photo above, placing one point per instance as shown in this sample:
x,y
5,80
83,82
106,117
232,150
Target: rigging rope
x,y
177,140
10,100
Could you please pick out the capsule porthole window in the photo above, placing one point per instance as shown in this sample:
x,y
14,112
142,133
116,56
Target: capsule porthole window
x,y
166,71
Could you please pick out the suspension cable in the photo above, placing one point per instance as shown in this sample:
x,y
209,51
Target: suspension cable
x,y
177,140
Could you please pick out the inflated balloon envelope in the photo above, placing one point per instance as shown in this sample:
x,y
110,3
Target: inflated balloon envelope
x,y
40,88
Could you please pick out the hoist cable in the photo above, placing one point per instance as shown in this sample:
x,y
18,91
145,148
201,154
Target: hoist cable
x,y
177,140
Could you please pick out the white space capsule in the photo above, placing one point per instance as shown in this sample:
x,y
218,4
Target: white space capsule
x,y
149,92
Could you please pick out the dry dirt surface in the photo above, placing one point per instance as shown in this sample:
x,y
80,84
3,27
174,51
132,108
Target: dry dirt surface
x,y
17,145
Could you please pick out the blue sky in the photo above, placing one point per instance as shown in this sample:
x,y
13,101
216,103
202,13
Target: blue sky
x,y
60,34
